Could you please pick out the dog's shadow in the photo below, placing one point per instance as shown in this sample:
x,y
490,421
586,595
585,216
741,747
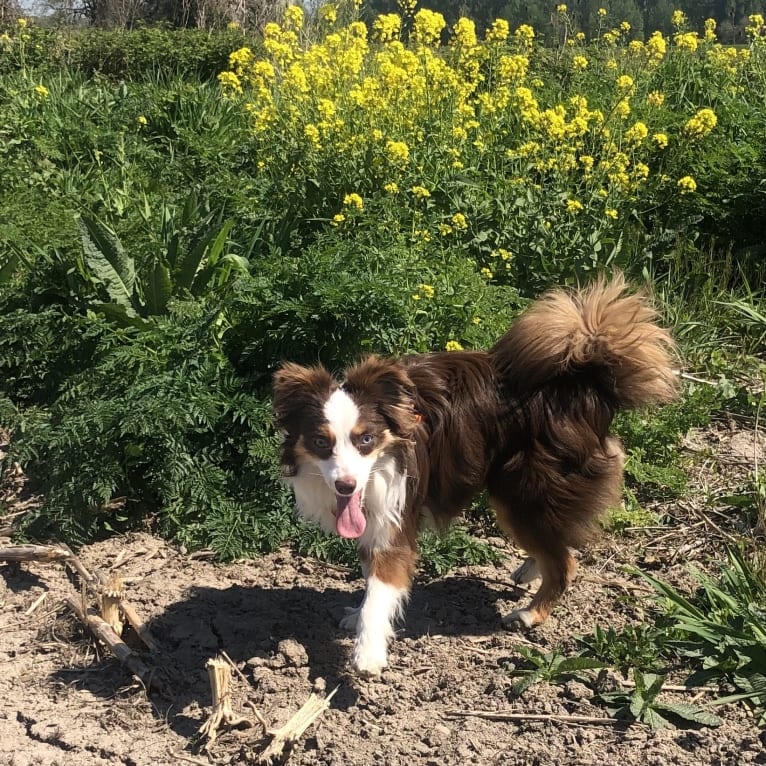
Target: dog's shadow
x,y
250,622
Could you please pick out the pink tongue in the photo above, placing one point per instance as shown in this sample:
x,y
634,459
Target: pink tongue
x,y
350,521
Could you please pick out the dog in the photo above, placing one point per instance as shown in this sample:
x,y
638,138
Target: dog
x,y
399,441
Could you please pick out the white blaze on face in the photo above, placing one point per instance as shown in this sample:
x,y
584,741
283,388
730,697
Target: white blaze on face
x,y
347,464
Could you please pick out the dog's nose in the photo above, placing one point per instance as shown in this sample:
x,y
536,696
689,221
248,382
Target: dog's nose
x,y
345,486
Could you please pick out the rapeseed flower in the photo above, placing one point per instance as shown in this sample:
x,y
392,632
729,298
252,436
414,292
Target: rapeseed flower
x,y
354,200
687,185
453,345
420,192
701,124
498,32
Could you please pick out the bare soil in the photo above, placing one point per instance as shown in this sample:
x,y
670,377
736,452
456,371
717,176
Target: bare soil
x,y
64,700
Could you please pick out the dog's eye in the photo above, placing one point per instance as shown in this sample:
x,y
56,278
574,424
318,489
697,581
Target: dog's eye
x,y
321,443
366,440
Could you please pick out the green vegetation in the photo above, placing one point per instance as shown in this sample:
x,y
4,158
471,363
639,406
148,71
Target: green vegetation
x,y
182,211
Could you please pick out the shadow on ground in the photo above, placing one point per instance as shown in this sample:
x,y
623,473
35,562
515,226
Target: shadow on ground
x,y
248,621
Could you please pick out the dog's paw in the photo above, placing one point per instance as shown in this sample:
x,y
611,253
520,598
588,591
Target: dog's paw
x,y
527,572
519,619
368,661
351,618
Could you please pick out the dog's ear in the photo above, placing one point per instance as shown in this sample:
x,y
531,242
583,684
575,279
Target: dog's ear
x,y
384,384
299,392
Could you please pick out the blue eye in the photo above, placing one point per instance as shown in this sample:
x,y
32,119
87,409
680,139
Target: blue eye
x,y
321,443
366,440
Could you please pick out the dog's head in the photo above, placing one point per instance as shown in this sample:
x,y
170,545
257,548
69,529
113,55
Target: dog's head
x,y
341,432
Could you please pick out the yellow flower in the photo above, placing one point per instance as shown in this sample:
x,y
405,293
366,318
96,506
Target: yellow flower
x,y
610,212
678,19
655,98
625,27
579,63
561,8
623,108
230,82
353,200
420,192
756,27
625,83
391,188
574,206
293,17
41,91
386,27
687,41
701,124
459,221
328,13
427,290
338,219
525,34
427,27
141,120
453,345
637,133
656,46
498,32
661,140
687,185
22,23
398,152
602,12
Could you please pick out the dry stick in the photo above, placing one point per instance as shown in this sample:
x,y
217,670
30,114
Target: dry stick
x,y
286,736
104,632
42,553
219,675
111,596
39,600
573,719
142,631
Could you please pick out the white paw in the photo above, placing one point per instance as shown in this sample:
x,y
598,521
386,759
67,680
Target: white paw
x,y
519,619
527,572
351,619
369,659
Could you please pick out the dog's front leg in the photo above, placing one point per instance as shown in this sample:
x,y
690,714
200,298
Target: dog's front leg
x,y
388,586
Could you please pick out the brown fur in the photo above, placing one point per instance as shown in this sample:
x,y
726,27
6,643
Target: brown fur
x,y
528,420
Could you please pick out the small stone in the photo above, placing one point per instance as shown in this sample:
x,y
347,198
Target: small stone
x,y
294,653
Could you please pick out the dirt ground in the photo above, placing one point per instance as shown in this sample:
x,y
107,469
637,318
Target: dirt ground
x,y
64,700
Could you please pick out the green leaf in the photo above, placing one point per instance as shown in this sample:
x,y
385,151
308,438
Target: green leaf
x,y
123,316
8,267
692,713
208,247
108,261
159,288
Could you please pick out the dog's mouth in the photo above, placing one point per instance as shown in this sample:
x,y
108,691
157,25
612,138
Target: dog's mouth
x,y
349,516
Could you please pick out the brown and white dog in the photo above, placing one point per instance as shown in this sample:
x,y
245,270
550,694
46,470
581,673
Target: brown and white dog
x,y
401,440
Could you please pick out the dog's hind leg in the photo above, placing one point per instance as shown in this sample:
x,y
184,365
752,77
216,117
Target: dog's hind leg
x,y
549,558
557,567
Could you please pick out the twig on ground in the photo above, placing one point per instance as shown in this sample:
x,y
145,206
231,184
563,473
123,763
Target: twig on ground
x,y
491,715
104,633
39,600
219,675
44,553
284,738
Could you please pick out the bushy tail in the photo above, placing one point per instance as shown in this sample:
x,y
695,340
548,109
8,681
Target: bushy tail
x,y
602,335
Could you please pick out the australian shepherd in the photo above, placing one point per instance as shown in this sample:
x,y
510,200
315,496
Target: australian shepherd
x,y
396,442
